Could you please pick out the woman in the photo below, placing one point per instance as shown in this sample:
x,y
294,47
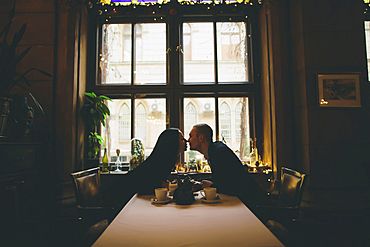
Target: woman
x,y
152,172
156,168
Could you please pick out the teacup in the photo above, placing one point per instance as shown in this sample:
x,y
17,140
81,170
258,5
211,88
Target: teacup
x,y
161,194
210,193
172,188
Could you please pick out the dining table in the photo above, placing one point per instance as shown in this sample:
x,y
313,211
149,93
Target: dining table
x,y
223,222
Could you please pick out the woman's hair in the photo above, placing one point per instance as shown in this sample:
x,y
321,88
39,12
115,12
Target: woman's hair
x,y
157,167
149,174
167,143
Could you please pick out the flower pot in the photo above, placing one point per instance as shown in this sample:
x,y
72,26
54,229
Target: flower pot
x,y
21,118
4,114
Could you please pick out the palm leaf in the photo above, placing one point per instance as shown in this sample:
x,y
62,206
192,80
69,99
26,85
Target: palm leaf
x,y
10,20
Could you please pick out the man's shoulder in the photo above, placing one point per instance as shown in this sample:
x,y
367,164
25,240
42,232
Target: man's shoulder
x,y
218,146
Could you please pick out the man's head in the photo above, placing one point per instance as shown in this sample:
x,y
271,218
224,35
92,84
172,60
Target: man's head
x,y
200,136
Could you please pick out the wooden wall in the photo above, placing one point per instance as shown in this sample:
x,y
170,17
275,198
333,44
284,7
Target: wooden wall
x,y
53,31
298,40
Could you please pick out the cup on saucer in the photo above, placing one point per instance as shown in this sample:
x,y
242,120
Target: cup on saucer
x,y
161,194
209,193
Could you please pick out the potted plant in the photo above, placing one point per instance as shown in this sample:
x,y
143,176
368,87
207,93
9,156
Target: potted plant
x,y
9,77
137,153
94,112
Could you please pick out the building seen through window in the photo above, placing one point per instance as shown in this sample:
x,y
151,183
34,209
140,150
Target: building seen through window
x,y
157,81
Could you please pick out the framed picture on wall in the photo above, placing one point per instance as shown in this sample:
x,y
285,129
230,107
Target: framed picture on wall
x,y
339,90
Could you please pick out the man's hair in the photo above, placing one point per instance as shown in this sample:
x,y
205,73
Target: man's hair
x,y
205,130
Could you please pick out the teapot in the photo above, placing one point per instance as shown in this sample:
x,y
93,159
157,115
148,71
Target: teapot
x,y
184,192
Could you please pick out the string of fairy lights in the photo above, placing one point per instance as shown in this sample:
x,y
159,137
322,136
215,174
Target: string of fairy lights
x,y
367,6
160,8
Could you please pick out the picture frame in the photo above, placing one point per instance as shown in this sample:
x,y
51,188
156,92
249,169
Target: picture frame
x,y
339,90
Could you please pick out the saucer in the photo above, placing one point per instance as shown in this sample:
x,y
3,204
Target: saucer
x,y
155,201
217,199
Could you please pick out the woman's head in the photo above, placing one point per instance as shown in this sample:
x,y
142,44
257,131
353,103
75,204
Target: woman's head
x,y
170,142
182,143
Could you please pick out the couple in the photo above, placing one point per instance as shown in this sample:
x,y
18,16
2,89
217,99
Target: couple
x,y
228,174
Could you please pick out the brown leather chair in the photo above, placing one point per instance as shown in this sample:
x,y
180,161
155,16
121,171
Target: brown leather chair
x,y
95,217
289,197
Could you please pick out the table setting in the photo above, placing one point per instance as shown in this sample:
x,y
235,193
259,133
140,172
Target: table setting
x,y
164,196
178,215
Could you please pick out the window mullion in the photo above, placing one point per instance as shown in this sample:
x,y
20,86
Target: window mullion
x,y
133,60
215,52
217,118
132,116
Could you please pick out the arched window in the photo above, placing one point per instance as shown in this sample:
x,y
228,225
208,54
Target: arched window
x,y
124,123
238,120
190,118
140,122
127,43
225,121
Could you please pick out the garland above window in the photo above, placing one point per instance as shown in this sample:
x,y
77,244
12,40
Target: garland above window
x,y
161,8
191,2
367,7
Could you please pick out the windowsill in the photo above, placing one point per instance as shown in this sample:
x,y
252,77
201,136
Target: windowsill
x,y
251,170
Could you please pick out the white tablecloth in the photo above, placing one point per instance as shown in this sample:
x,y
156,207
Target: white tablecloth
x,y
226,223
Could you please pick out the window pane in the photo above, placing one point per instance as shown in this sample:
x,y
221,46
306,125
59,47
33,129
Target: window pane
x,y
234,124
232,57
124,123
198,110
198,53
115,59
150,53
225,122
367,36
150,121
117,131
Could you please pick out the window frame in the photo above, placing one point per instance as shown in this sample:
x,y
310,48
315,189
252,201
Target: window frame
x,y
174,91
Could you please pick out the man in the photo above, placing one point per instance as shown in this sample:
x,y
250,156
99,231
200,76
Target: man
x,y
228,174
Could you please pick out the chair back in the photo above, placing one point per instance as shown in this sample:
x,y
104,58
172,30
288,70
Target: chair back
x,y
87,187
291,190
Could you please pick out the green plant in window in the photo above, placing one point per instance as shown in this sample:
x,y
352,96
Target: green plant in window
x,y
94,112
94,141
137,153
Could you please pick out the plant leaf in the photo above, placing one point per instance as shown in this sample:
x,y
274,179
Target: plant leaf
x,y
10,20
88,94
105,97
18,36
17,60
41,71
